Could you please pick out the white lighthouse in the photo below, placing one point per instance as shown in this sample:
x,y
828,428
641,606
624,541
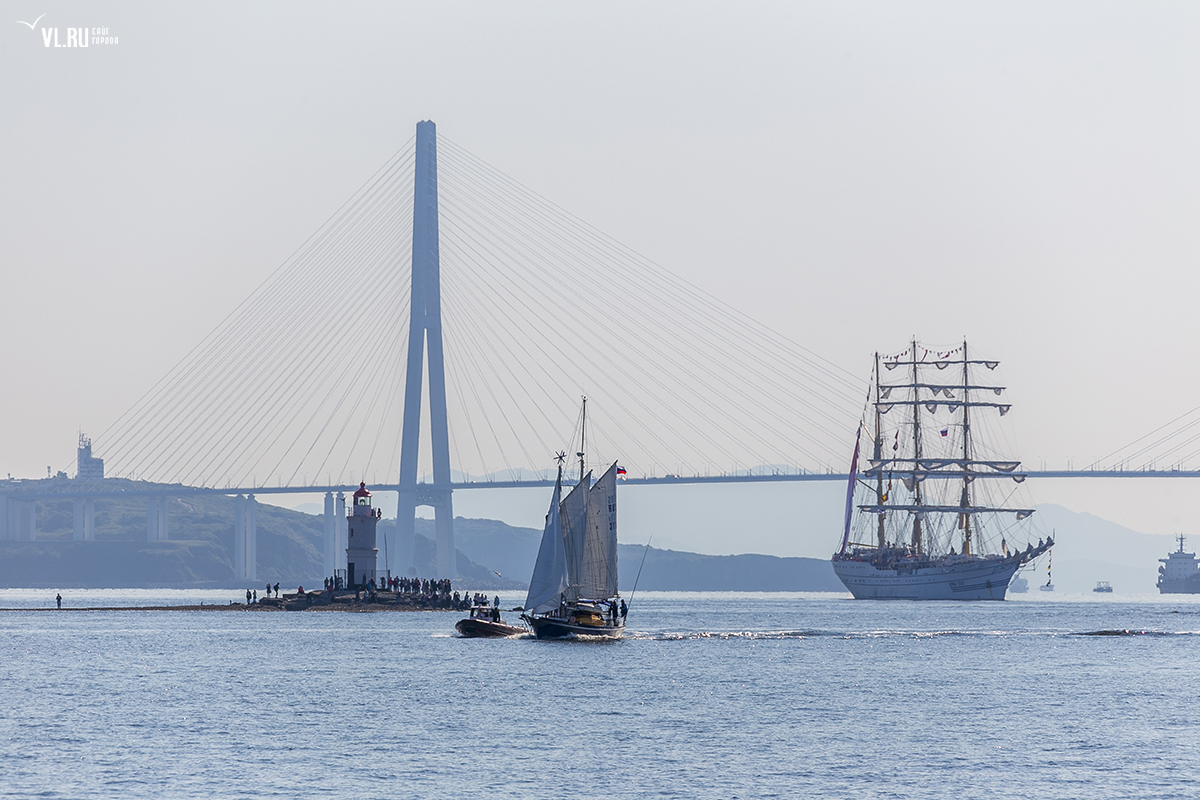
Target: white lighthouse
x,y
361,550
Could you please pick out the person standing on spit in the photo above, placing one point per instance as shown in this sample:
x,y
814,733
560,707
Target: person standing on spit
x,y
58,599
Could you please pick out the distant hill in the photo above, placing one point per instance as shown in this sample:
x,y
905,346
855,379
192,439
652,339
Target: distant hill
x,y
508,550
512,551
673,571
198,554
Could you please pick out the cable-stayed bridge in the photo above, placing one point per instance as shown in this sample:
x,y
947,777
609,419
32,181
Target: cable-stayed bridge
x,y
442,277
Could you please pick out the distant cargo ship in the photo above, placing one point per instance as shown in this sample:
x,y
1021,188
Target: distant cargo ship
x,y
1179,573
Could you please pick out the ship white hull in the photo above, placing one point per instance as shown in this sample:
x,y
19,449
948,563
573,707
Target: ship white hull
x,y
985,579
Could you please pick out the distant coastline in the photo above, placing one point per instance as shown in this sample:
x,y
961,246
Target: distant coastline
x,y
491,555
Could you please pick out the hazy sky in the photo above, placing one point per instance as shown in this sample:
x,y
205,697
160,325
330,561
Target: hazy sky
x,y
850,174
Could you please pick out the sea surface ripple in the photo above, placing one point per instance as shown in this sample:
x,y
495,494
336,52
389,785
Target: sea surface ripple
x,y
710,695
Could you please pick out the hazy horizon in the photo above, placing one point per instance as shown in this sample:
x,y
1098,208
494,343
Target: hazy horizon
x,y
847,175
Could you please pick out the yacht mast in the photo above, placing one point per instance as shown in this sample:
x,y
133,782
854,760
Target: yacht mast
x,y
582,438
916,534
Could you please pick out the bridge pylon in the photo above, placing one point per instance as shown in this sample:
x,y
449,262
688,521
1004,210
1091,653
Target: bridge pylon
x,y
425,328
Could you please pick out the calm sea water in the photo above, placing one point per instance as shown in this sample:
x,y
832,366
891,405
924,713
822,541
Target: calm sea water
x,y
711,695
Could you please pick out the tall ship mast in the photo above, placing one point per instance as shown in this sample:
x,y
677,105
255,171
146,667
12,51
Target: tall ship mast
x,y
933,514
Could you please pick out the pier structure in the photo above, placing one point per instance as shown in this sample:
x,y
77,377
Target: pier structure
x,y
341,523
245,537
329,537
334,533
85,519
157,529
425,328
19,518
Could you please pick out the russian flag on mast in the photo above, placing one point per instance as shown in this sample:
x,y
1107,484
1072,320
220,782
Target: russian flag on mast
x,y
620,470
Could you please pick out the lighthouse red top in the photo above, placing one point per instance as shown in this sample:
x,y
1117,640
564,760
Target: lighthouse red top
x,y
362,501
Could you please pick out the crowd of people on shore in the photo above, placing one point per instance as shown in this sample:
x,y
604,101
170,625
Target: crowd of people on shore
x,y
421,592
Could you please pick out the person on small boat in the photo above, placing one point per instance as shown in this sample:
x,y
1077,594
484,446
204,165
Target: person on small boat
x,y
624,610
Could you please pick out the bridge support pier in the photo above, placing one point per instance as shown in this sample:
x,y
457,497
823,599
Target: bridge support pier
x,y
425,326
157,529
330,562
341,533
245,538
239,538
85,519
251,538
21,519
164,529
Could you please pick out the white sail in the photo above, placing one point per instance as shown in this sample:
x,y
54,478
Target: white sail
x,y
850,490
598,579
574,511
550,572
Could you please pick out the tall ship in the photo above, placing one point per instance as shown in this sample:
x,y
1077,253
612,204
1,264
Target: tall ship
x,y
573,591
931,516
1179,573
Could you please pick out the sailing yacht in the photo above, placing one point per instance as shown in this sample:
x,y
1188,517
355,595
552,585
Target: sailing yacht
x,y
930,518
573,591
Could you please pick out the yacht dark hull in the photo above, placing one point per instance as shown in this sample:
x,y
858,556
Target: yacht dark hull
x,y
485,629
550,628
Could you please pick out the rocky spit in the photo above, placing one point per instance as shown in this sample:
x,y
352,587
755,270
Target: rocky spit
x,y
338,601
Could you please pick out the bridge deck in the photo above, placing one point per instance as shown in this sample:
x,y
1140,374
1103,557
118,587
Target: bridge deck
x,y
99,490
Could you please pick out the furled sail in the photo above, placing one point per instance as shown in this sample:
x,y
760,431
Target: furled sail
x,y
574,512
850,488
598,578
550,572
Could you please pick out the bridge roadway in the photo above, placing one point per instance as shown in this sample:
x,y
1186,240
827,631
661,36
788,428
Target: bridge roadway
x,y
18,502
72,488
